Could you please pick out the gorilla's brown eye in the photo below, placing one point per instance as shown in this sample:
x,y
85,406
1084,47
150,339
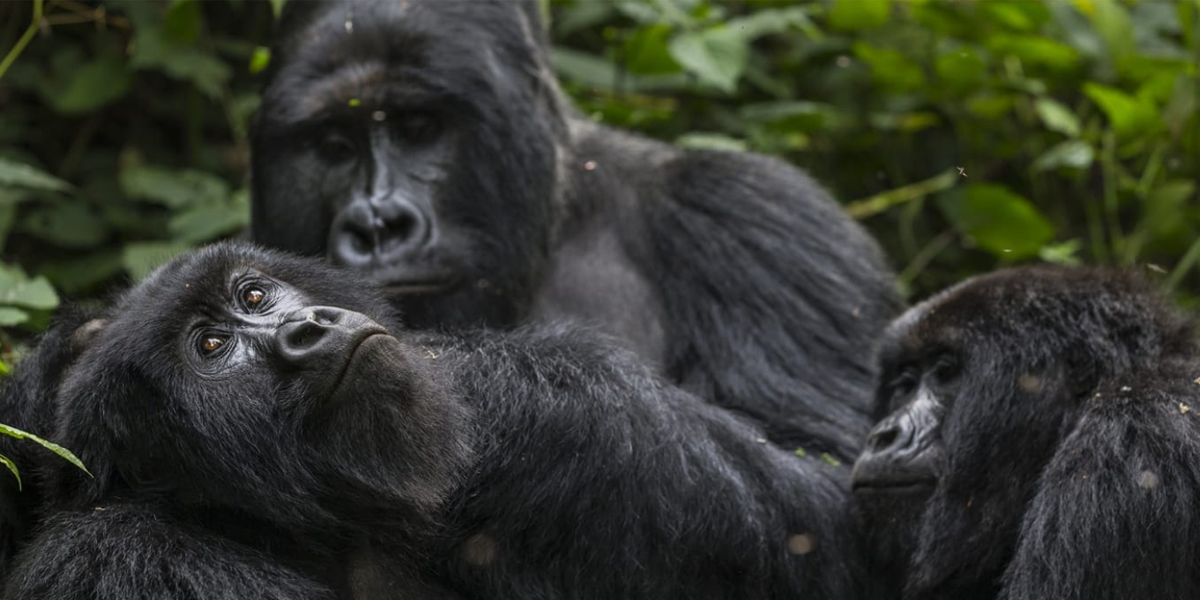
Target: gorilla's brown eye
x,y
253,297
211,343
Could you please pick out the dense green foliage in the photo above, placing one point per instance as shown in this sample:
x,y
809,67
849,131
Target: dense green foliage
x,y
966,134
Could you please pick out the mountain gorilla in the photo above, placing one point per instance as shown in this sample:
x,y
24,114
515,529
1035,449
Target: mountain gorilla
x,y
1043,442
259,427
429,143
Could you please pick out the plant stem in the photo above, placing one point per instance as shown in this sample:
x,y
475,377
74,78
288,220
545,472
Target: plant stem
x,y
12,55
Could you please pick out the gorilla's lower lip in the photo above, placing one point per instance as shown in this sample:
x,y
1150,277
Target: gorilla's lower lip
x,y
353,355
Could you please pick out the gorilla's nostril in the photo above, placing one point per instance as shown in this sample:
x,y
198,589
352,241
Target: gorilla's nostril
x,y
360,241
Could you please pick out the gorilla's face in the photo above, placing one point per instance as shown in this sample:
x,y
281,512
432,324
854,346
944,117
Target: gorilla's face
x,y
978,385
240,378
409,140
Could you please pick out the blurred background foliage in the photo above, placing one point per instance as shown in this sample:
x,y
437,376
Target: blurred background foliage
x,y
966,134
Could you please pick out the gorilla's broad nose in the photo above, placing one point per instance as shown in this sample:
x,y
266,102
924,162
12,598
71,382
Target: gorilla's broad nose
x,y
320,336
379,231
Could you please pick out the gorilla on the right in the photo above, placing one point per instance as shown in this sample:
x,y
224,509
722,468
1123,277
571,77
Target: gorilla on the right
x,y
1043,442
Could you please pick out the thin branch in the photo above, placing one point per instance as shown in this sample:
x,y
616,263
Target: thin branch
x,y
12,55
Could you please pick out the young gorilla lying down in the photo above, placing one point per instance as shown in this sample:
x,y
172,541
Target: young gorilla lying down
x,y
259,427
1043,443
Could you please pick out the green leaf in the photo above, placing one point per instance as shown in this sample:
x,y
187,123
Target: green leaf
x,y
853,15
174,188
594,71
154,50
1000,221
1062,254
77,274
184,21
66,224
12,316
1115,28
51,446
710,141
277,7
1057,117
1128,115
205,222
646,52
717,56
88,87
1074,154
21,175
890,68
1035,50
142,259
17,289
961,69
794,115
259,60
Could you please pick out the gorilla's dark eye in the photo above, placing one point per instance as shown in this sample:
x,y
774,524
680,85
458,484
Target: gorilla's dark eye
x,y
335,147
903,385
253,297
210,343
945,370
418,126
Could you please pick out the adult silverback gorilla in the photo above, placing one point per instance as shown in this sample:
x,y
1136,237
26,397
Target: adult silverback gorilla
x,y
1043,442
428,142
259,427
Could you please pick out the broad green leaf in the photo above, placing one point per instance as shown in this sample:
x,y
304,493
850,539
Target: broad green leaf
x,y
21,175
594,71
66,224
17,289
1115,28
1057,117
1035,50
1000,221
72,275
853,15
184,21
141,259
774,21
277,7
12,316
710,141
173,188
1128,115
152,49
1075,154
51,446
891,68
206,222
646,51
962,69
88,87
794,115
717,56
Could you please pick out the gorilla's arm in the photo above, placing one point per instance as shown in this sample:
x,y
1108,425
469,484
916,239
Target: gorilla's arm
x,y
595,477
774,293
133,552
1114,517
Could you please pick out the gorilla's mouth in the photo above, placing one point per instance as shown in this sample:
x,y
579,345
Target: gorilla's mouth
x,y
362,347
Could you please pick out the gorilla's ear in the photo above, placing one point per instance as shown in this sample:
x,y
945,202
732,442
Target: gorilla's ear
x,y
86,334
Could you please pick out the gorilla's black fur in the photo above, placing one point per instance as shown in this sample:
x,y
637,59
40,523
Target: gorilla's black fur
x,y
1044,442
428,142
259,427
